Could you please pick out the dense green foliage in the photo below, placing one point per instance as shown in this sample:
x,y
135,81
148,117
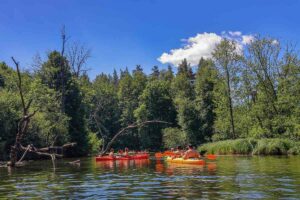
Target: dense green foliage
x,y
253,95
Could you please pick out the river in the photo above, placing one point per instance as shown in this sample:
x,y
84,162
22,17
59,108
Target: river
x,y
229,177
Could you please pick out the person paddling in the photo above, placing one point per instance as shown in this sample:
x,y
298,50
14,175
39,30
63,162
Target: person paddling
x,y
111,152
191,153
126,152
178,152
120,152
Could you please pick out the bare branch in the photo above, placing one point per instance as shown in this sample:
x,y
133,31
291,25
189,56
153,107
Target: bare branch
x,y
78,55
20,85
134,125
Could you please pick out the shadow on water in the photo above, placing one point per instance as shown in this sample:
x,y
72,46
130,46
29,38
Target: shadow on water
x,y
226,178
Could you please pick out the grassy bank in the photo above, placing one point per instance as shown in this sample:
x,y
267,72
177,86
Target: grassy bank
x,y
274,146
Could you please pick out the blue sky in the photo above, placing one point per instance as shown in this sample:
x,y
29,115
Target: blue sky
x,y
128,32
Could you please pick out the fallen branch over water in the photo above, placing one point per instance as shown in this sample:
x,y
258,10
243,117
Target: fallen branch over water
x,y
134,125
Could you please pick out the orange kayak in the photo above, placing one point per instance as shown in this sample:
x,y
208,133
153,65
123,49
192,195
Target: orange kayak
x,y
112,158
170,154
164,154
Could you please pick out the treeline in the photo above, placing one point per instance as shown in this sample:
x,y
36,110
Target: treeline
x,y
249,93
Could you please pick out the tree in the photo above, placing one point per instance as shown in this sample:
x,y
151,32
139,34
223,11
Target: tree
x,y
206,80
77,56
138,69
183,96
226,57
155,104
115,78
105,113
274,79
130,88
183,67
173,137
167,75
23,123
56,74
68,91
155,73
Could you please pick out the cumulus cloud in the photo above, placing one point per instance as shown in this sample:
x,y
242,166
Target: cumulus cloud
x,y
247,39
202,45
235,33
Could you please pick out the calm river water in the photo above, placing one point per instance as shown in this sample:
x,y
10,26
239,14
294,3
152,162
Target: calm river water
x,y
227,178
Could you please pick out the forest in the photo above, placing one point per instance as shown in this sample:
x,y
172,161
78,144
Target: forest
x,y
242,97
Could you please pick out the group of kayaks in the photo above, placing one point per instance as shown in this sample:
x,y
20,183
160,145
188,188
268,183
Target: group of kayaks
x,y
167,155
139,156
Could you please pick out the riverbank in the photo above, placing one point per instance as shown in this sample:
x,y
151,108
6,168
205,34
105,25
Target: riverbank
x,y
274,146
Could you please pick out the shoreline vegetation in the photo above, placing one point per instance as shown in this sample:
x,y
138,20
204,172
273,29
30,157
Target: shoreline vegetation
x,y
238,93
271,146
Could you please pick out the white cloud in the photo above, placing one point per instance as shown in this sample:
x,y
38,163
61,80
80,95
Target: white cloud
x,y
202,45
235,33
247,39
275,42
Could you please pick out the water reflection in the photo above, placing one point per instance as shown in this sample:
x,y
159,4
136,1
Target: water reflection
x,y
176,168
123,165
211,168
225,178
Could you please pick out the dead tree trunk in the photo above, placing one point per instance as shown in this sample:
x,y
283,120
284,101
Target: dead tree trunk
x,y
63,69
24,121
22,130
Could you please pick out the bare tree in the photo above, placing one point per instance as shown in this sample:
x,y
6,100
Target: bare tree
x,y
23,122
37,63
78,55
63,68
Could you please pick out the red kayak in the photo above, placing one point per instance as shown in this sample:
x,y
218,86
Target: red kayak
x,y
112,158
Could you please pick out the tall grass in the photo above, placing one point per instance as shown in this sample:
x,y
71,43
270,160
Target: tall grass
x,y
295,149
274,146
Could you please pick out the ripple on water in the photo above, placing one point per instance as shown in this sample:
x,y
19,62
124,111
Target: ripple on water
x,y
238,178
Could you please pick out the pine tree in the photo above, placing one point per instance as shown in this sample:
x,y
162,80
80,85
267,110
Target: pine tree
x,y
115,78
155,73
55,73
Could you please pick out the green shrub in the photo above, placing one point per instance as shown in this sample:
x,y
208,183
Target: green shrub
x,y
274,146
239,146
295,149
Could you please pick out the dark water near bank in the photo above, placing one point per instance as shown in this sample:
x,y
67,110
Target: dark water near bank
x,y
227,178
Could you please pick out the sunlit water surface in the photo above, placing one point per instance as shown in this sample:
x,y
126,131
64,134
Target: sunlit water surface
x,y
227,178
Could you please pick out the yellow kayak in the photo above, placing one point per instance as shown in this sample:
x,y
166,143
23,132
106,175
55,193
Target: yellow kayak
x,y
186,161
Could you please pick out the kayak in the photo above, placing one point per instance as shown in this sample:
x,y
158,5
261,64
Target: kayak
x,y
169,153
160,155
164,154
104,158
112,158
186,161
